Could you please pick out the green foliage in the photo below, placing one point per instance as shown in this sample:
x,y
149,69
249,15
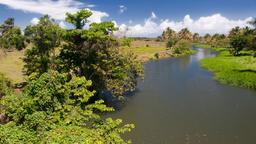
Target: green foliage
x,y
78,19
16,135
237,71
56,108
170,43
182,47
93,53
11,36
126,42
5,85
45,37
237,44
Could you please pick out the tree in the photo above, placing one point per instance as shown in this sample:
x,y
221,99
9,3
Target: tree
x,y
8,24
237,44
79,19
207,38
95,54
56,108
196,37
185,34
45,37
11,36
252,37
169,34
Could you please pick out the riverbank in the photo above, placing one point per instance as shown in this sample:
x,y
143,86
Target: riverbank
x,y
236,71
147,50
11,63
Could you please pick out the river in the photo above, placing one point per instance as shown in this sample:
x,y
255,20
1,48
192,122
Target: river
x,y
180,103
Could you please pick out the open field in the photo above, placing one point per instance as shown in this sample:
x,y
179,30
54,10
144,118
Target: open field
x,y
236,71
11,65
148,49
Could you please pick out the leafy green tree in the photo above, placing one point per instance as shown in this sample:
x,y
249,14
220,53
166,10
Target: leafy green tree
x,y
45,37
11,36
8,24
237,44
95,54
56,108
252,37
79,19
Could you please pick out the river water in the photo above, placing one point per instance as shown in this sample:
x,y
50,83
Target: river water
x,y
180,103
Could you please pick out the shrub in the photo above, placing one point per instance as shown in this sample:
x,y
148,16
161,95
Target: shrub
x,y
126,42
170,43
182,47
5,85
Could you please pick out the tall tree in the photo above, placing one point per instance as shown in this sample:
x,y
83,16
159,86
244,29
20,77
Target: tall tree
x,y
11,36
185,34
169,34
45,37
95,54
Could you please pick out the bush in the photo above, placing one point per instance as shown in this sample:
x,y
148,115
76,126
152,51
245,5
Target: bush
x,y
170,43
182,47
56,108
126,42
5,85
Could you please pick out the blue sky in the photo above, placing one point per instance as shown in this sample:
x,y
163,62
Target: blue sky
x,y
140,17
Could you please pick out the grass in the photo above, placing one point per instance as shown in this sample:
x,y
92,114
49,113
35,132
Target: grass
x,y
148,53
11,65
199,45
151,49
237,71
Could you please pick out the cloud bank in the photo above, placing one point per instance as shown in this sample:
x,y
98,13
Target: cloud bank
x,y
212,24
55,8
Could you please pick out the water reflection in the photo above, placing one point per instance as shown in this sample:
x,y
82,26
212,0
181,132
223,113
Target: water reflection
x,y
180,103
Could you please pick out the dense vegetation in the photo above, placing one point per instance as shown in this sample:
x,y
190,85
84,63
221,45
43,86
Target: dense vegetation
x,y
68,72
10,35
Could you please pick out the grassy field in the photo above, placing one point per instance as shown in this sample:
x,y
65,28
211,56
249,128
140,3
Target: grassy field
x,y
237,71
11,65
148,49
151,49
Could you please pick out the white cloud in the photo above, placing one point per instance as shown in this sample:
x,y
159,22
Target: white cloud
x,y
55,8
153,15
215,23
34,21
91,6
122,9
